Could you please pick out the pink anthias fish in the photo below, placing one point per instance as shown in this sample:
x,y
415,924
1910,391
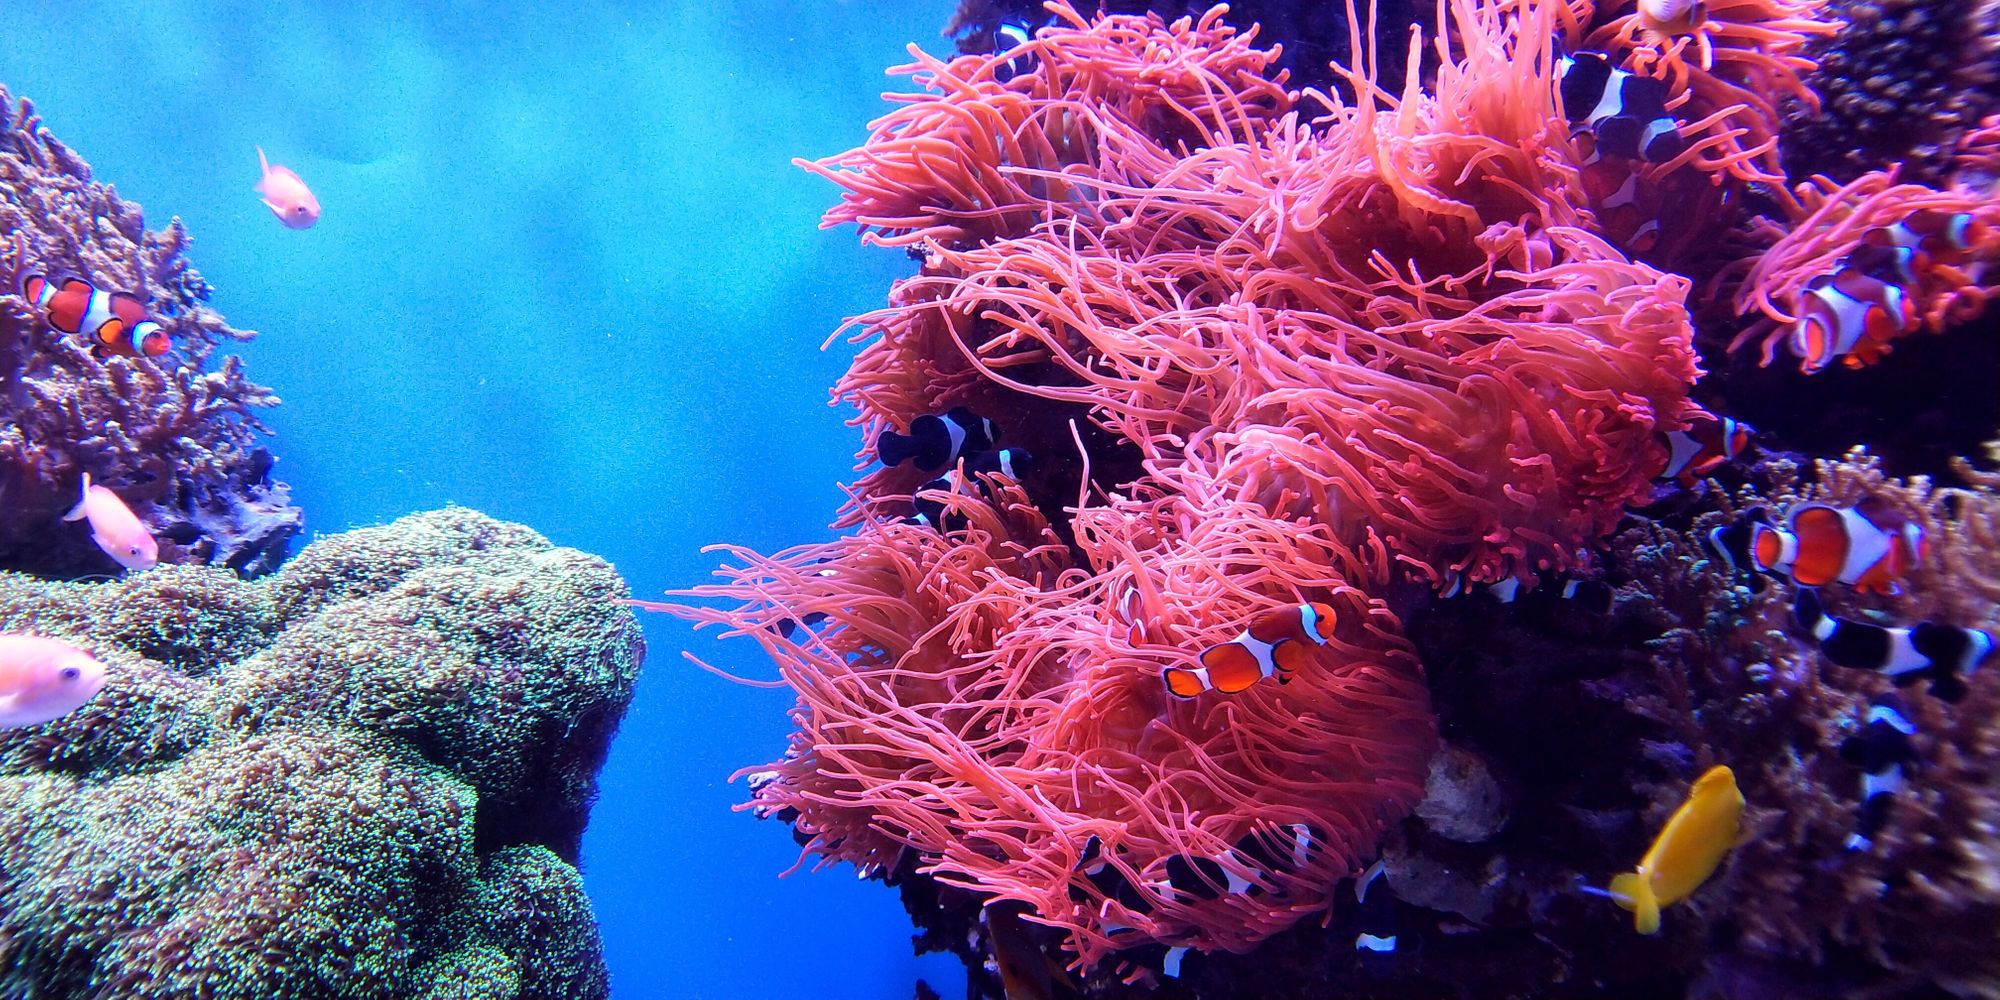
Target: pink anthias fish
x,y
114,527
286,195
42,679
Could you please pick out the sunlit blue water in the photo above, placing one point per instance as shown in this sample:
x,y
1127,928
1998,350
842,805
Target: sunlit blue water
x,y
567,275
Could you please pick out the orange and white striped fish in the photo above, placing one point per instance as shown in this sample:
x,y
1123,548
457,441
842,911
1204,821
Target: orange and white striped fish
x,y
1868,546
1849,315
1931,237
113,322
1278,642
1709,443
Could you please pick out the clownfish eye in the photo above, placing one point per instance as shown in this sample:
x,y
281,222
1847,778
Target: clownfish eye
x,y
132,549
70,673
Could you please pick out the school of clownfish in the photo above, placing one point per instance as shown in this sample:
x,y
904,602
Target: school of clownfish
x,y
43,679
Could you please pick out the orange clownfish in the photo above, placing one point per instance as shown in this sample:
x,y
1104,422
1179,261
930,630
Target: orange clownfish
x,y
1929,237
1849,314
1709,443
1868,546
114,322
1275,643
1687,851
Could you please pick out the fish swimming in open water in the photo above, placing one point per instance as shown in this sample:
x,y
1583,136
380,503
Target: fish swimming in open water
x,y
286,195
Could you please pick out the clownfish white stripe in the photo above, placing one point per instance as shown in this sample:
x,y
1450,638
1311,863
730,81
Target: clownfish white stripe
x,y
1378,945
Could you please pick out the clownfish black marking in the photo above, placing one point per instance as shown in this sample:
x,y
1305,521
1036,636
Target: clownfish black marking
x,y
936,442
1941,654
1013,37
934,513
787,627
1106,879
1709,443
1594,596
1290,847
1204,878
1625,112
1881,749
115,323
1375,941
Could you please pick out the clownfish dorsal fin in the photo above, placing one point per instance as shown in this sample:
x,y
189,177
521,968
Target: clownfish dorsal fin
x,y
82,500
1635,893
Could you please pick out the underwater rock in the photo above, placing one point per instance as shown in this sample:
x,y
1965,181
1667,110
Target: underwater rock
x,y
366,775
1462,801
177,441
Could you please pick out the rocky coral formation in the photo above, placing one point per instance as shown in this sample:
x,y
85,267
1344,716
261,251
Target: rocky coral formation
x,y
1902,81
364,776
177,441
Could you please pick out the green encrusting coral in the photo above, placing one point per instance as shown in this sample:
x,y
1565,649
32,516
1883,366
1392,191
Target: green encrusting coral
x,y
364,776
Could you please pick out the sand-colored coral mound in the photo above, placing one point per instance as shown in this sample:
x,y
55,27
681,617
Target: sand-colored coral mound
x,y
364,776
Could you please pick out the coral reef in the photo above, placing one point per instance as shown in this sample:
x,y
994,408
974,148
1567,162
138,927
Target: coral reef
x,y
175,440
366,775
1901,82
1409,338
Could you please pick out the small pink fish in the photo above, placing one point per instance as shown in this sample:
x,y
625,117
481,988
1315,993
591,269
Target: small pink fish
x,y
288,197
42,679
115,528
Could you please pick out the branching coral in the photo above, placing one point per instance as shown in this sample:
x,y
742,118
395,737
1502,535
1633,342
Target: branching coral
x,y
175,440
365,776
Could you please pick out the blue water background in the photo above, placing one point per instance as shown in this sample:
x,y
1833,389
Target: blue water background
x,y
567,275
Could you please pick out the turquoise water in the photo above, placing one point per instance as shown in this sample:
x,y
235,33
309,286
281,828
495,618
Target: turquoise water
x,y
566,275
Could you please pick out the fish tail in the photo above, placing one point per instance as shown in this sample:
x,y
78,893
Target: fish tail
x,y
82,499
1634,893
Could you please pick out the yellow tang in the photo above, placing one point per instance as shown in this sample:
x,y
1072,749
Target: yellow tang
x,y
1687,850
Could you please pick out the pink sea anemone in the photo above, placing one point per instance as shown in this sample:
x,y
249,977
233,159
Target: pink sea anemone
x,y
1270,353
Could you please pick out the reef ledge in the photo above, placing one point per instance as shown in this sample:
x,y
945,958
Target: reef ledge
x,y
366,775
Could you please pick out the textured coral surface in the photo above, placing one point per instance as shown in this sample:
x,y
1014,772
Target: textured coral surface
x,y
177,441
364,776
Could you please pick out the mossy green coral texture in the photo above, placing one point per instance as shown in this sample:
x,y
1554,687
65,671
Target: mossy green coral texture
x,y
366,776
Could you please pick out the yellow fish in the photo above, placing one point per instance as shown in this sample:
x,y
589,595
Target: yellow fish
x,y
1686,852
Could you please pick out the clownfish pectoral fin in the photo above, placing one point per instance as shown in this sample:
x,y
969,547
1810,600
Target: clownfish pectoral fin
x,y
82,500
273,206
1634,893
1183,683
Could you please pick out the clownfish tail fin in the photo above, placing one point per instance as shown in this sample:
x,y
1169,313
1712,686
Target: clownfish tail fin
x,y
82,498
1634,893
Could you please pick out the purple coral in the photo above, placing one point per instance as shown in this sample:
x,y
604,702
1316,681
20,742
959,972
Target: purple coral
x,y
174,439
